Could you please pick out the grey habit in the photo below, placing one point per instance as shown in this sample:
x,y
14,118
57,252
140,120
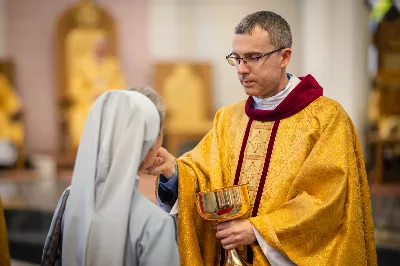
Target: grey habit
x,y
106,220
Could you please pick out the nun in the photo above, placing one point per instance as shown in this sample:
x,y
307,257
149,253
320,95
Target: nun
x,y
102,218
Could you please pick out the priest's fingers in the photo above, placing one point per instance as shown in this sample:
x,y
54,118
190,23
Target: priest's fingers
x,y
151,171
157,165
158,170
158,161
229,241
147,172
163,153
231,246
224,225
224,233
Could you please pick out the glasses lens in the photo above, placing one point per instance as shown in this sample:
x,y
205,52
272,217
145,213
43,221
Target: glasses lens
x,y
231,61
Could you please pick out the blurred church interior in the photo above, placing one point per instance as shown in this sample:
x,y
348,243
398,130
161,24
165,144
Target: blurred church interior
x,y
57,56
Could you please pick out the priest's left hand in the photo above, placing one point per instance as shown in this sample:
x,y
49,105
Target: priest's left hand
x,y
235,233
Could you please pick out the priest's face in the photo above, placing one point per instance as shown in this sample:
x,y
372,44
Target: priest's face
x,y
261,76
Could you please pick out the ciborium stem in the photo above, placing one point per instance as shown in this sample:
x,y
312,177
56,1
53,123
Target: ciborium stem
x,y
232,258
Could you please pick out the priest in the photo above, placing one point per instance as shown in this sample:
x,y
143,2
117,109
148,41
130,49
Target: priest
x,y
297,150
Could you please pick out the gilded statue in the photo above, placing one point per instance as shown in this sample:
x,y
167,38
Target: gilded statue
x,y
11,126
92,75
80,40
373,106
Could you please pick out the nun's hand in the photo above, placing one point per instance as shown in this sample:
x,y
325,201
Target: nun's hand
x,y
164,164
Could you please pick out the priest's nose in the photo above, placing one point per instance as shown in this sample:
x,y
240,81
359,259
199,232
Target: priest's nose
x,y
242,69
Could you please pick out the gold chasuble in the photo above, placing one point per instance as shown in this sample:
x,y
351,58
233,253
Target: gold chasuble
x,y
306,177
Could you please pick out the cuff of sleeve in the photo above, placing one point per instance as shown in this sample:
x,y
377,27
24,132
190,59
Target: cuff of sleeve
x,y
168,189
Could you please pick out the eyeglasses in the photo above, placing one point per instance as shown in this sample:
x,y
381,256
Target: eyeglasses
x,y
235,61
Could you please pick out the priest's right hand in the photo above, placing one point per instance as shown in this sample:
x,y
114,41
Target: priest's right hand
x,y
164,164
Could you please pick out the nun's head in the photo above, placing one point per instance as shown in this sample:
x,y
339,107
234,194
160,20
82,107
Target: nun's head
x,y
161,108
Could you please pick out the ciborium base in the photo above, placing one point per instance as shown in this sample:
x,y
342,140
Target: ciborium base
x,y
232,258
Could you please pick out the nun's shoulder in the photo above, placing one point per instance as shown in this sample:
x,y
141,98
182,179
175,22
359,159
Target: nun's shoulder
x,y
147,212
151,230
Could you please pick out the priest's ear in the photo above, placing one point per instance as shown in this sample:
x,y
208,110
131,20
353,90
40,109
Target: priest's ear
x,y
285,57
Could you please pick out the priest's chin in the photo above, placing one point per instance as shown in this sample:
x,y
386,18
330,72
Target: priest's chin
x,y
252,90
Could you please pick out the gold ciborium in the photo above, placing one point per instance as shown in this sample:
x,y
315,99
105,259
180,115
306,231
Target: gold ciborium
x,y
221,205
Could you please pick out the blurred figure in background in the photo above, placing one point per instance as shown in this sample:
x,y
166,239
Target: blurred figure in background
x,y
91,76
11,127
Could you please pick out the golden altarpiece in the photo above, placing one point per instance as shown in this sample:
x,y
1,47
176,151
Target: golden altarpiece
x,y
386,98
187,90
78,29
7,82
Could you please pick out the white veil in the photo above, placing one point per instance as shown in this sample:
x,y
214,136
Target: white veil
x,y
119,131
